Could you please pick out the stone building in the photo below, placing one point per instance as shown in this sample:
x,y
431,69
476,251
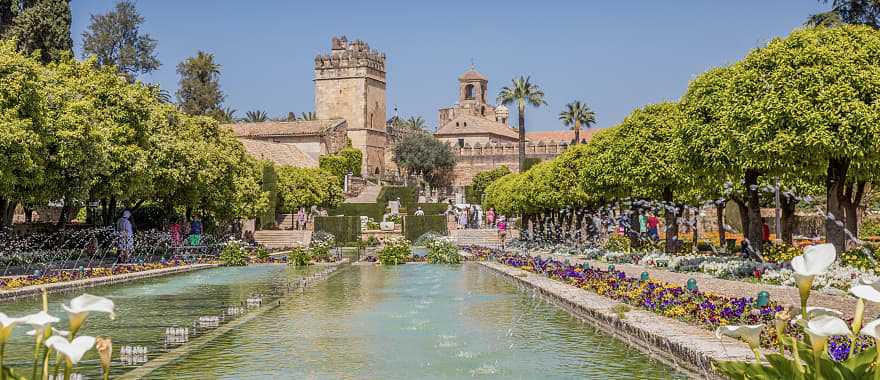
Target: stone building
x,y
472,119
349,104
350,85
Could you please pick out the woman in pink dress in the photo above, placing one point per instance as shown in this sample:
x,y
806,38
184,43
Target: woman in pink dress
x,y
490,217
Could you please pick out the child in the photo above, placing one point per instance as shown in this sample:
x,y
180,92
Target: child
x,y
502,230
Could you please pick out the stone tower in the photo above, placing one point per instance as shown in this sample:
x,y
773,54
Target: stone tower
x,y
350,85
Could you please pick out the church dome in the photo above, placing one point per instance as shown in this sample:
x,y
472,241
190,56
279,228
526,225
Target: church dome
x,y
471,75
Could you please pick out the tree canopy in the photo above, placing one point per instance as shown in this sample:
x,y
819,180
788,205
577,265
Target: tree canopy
x,y
114,38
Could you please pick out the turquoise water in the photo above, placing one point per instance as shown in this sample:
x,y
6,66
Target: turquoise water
x,y
416,322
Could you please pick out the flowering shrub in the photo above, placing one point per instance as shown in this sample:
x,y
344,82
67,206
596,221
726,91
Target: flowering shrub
x,y
779,253
442,251
861,258
702,308
71,275
617,243
320,246
233,254
299,256
618,257
396,251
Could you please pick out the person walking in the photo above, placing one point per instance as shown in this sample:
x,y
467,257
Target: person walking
x,y
174,229
463,218
125,231
195,231
653,227
502,230
643,223
301,218
490,217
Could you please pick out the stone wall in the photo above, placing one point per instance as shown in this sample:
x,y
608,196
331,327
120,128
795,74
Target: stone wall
x,y
473,159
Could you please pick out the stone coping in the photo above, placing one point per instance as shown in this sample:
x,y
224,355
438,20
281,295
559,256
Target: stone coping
x,y
182,351
691,349
58,287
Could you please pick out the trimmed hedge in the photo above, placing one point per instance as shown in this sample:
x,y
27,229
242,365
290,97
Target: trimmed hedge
x,y
345,229
408,195
372,210
415,226
432,208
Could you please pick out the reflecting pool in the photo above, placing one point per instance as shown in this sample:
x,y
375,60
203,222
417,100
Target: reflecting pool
x,y
416,322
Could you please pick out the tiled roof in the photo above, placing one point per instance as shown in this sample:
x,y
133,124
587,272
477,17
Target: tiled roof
x,y
471,74
468,124
558,136
284,128
279,153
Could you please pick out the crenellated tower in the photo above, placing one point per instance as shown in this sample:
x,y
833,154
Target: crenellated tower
x,y
350,85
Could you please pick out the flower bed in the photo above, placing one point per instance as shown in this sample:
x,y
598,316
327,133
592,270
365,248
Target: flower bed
x,y
701,308
85,273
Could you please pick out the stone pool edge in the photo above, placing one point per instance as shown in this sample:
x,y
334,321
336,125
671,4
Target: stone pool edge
x,y
59,287
176,354
688,348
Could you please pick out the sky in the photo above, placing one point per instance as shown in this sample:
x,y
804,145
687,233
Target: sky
x,y
614,55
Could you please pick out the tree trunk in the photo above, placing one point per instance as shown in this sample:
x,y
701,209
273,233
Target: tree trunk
x,y
743,216
65,213
834,186
111,211
719,213
756,227
694,230
788,206
522,138
28,215
671,222
9,213
854,195
577,132
3,203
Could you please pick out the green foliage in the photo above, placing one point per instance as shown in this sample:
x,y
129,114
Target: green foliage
x,y
114,38
442,251
860,257
869,228
233,255
355,159
371,210
431,208
422,153
617,243
304,187
415,226
349,160
530,162
199,92
269,185
319,247
42,26
482,180
395,252
408,195
780,253
345,229
299,256
262,253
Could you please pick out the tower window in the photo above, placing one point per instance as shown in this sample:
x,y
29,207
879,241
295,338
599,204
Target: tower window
x,y
461,143
469,91
483,111
465,124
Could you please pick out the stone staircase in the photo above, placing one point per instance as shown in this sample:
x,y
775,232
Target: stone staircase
x,y
282,238
485,237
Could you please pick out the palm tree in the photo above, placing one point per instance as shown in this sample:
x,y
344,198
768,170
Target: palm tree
x,y
415,123
307,116
577,114
523,92
257,116
225,114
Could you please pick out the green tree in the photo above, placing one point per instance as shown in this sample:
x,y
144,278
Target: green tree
x,y
416,123
115,39
485,178
423,154
303,187
307,116
257,116
577,115
858,12
522,92
42,26
199,92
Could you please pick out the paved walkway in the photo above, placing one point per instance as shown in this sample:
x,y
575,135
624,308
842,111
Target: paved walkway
x,y
785,295
368,195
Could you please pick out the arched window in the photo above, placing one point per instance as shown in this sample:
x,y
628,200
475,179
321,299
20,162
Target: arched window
x,y
469,91
483,111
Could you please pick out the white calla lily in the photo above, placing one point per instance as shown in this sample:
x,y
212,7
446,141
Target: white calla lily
x,y
815,261
815,312
871,329
751,334
72,351
81,306
39,320
823,327
867,291
7,324
54,332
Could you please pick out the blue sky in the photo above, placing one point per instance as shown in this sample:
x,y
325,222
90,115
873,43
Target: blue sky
x,y
614,55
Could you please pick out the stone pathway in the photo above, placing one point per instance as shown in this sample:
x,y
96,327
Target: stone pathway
x,y
786,295
368,195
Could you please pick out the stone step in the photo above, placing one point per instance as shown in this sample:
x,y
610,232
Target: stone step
x,y
282,239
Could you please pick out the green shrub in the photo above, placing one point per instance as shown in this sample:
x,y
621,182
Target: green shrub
x,y
408,196
780,253
617,243
345,229
233,255
372,210
442,251
262,253
372,241
859,257
432,208
299,256
869,228
529,162
416,226
354,159
270,186
396,251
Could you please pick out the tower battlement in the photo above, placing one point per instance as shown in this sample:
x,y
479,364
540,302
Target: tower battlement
x,y
345,54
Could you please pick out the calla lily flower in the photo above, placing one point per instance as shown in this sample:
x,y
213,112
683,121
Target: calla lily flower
x,y
39,320
867,291
871,329
823,327
751,334
72,351
815,312
54,332
815,261
81,306
7,324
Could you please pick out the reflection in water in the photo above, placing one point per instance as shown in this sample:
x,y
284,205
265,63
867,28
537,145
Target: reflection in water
x,y
416,322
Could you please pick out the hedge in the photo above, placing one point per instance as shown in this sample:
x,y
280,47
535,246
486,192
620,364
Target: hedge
x,y
345,229
269,184
372,210
432,208
416,226
408,195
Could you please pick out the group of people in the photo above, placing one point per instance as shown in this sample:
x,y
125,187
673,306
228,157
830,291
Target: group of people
x,y
472,217
303,217
178,229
